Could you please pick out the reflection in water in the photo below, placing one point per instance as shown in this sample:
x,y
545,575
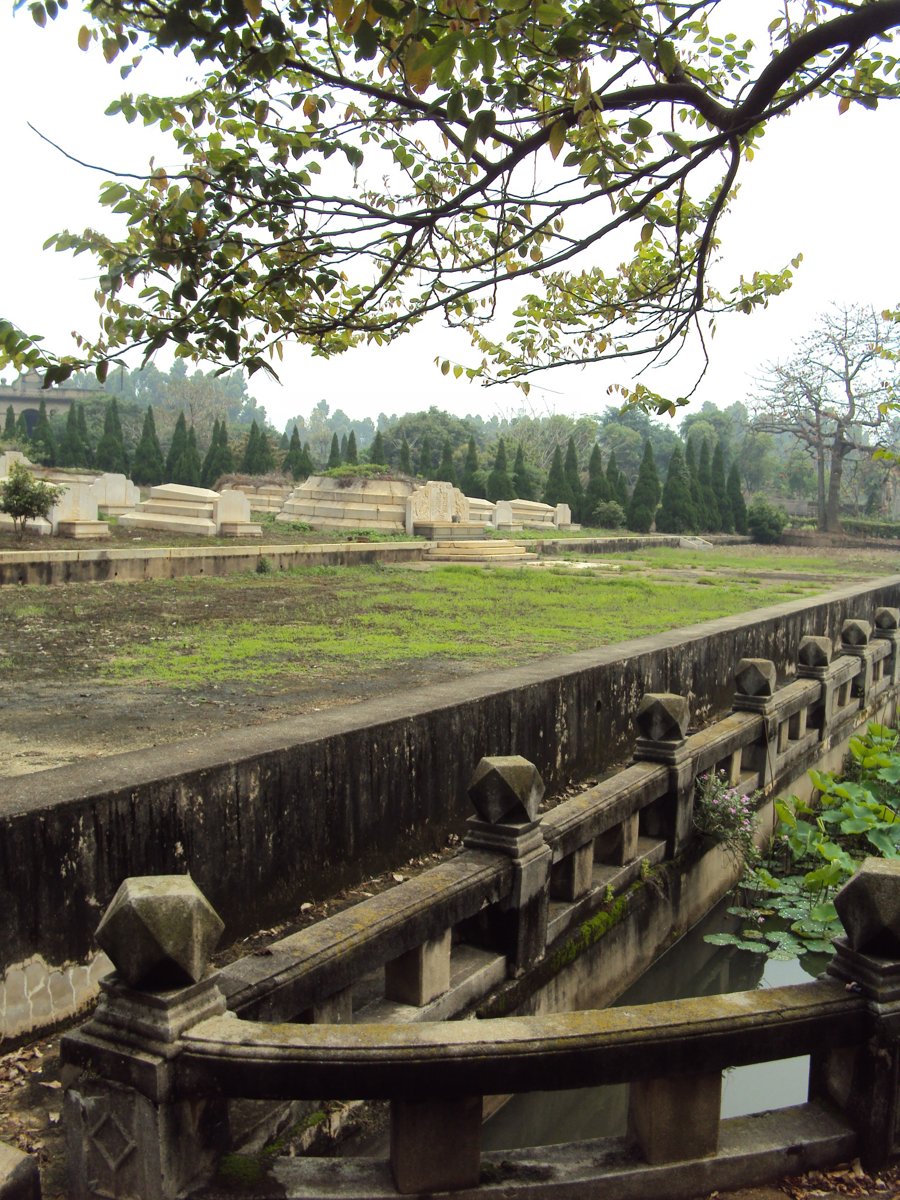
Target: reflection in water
x,y
691,968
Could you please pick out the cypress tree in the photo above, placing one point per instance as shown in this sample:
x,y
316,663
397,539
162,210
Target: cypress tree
x,y
499,484
690,461
21,430
720,490
425,465
334,457
285,443
248,462
84,442
209,472
469,478
111,454
9,429
225,457
573,477
556,489
446,470
404,462
523,479
376,450
344,457
67,450
676,512
188,467
265,456
291,462
352,456
148,467
306,463
709,508
597,490
616,482
736,496
176,448
645,497
43,443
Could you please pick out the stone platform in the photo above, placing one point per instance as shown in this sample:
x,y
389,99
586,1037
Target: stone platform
x,y
500,553
323,503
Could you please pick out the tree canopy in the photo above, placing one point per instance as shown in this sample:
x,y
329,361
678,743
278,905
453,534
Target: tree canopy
x,y
348,168
834,396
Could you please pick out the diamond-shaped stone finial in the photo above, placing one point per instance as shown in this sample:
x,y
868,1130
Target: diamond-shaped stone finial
x,y
663,717
755,677
815,651
887,618
869,907
856,632
159,931
506,788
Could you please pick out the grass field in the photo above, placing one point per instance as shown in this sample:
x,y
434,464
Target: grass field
x,y
335,621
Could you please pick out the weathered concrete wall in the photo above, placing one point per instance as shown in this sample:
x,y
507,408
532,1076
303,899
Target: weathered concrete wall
x,y
269,817
128,565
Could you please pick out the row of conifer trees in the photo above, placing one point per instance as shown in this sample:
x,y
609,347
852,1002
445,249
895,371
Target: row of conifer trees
x,y
699,494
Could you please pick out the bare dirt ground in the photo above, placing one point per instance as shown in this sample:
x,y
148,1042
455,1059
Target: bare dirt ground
x,y
56,707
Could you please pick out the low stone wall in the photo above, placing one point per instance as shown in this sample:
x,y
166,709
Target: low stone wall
x,y
267,818
127,565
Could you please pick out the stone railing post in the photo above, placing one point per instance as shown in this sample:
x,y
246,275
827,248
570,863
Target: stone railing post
x,y
127,1134
662,721
855,635
864,1081
813,662
887,626
755,680
505,792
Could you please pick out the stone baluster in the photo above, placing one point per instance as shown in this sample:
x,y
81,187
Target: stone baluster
x,y
887,626
814,662
127,1136
855,635
662,721
506,792
755,680
864,1081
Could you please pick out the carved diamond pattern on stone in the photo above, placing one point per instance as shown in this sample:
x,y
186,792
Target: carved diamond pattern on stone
x,y
112,1141
506,788
663,717
856,632
869,907
755,677
815,651
159,931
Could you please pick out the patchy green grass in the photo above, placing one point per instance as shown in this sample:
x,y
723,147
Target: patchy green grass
x,y
326,624
336,620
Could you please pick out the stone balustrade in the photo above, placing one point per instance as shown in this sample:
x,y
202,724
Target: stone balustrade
x,y
365,993
154,1068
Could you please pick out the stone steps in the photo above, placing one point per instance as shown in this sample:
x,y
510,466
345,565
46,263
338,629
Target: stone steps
x,y
479,552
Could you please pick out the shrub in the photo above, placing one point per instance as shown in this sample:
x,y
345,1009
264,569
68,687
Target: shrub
x,y
24,497
609,514
347,474
766,522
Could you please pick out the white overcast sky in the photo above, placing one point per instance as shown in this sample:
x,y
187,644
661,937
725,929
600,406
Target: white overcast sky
x,y
821,184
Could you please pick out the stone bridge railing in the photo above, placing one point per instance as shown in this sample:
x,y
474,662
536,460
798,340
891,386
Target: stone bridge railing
x,y
372,986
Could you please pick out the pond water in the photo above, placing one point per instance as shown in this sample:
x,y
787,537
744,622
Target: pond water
x,y
692,967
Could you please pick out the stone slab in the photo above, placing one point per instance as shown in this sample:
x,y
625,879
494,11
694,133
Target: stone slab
x,y
201,526
79,528
753,1150
180,491
19,1178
